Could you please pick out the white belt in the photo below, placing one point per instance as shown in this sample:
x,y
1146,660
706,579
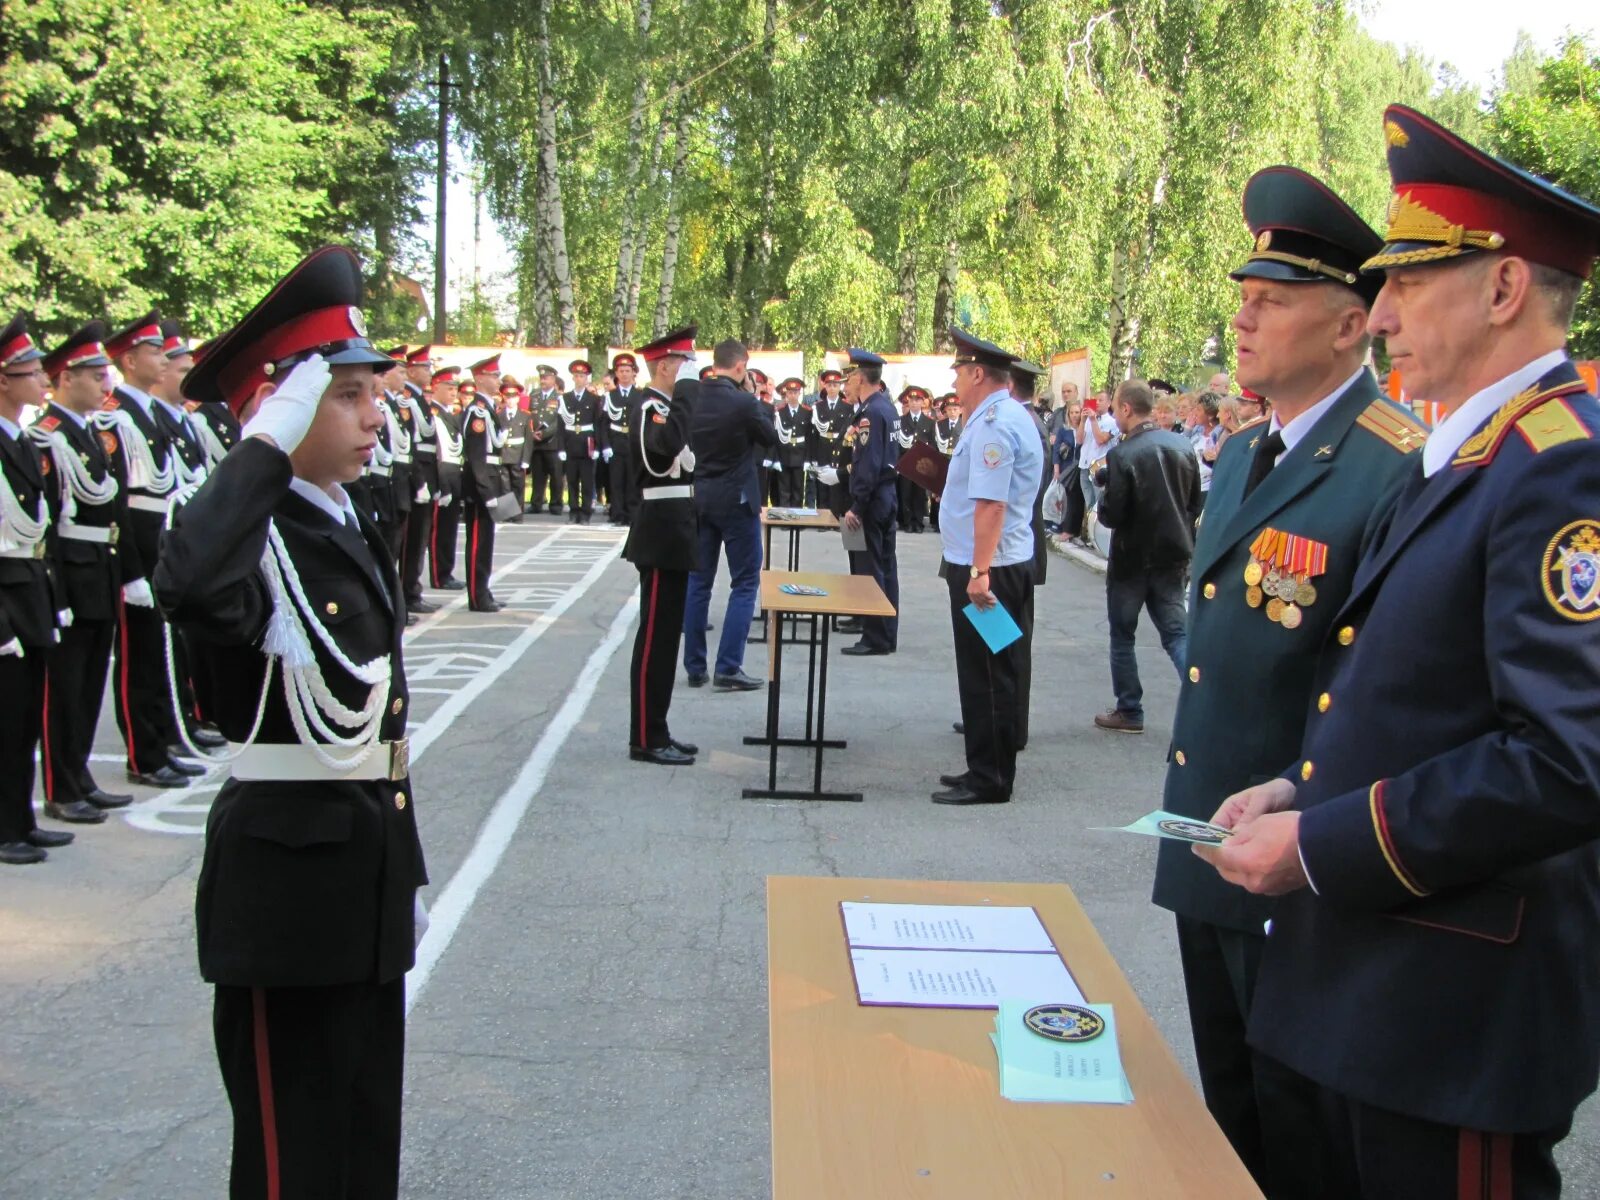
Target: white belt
x,y
150,504
293,762
680,492
34,551
403,458
515,441
427,449
106,535
381,472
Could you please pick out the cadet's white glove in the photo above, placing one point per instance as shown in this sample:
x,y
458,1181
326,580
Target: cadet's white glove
x,y
138,594
64,618
444,501
777,466
561,455
827,475
810,468
606,453
12,649
286,415
423,495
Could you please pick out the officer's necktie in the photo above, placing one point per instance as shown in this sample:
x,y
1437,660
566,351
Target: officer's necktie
x,y
1266,458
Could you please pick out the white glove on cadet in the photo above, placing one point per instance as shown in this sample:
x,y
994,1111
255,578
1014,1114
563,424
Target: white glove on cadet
x,y
138,594
12,649
561,455
286,415
828,475
606,453
64,618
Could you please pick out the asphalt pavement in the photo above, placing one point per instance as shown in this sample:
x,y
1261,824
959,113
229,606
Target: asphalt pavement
x,y
588,1018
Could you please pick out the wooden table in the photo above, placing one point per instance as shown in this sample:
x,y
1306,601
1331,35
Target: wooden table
x,y
848,595
883,1103
822,519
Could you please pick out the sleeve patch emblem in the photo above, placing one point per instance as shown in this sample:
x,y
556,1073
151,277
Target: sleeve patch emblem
x,y
109,441
992,454
477,426
1571,571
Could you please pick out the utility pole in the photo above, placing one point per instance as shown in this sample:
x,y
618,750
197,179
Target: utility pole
x,y
440,315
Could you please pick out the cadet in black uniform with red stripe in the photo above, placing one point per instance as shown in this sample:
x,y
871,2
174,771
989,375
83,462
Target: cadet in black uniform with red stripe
x,y
661,543
481,484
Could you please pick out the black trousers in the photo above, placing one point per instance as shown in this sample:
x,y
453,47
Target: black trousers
x,y
547,471
880,561
791,487
480,554
143,698
620,490
580,484
655,656
74,688
418,539
986,681
442,541
1072,523
314,1077
913,506
21,716
1025,670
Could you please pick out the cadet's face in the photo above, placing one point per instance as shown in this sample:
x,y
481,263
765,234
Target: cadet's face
x,y
1434,322
343,432
625,375
145,366
22,386
81,389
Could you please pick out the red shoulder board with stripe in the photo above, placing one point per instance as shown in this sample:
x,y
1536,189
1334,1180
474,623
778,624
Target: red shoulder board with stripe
x,y
110,403
50,424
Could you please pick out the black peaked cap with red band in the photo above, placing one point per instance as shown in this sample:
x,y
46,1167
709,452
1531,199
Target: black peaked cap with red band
x,y
173,343
1452,199
146,331
17,346
314,309
679,341
85,348
1304,233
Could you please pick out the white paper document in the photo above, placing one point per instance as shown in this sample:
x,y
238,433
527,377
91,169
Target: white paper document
x,y
959,979
945,927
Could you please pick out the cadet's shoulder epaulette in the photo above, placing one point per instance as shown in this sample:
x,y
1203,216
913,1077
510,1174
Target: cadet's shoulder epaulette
x,y
111,403
1392,425
1539,415
48,424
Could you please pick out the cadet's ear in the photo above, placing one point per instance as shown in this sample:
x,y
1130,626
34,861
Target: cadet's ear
x,y
254,403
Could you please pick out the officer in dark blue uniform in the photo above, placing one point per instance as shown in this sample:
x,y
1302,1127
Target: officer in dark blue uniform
x,y
873,504
1293,501
1433,968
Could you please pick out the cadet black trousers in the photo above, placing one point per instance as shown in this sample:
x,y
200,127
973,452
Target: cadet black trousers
x,y
580,484
547,472
75,686
313,1075
655,656
143,697
791,489
881,561
480,554
21,711
621,491
987,681
442,541
419,534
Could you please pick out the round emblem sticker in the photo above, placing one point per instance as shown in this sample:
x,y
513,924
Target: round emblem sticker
x,y
1197,831
1571,575
1065,1022
992,454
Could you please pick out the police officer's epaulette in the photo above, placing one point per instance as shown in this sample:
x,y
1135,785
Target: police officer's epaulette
x,y
1540,416
1393,426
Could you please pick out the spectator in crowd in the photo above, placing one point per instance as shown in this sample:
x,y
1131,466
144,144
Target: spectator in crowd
x,y
1220,384
1064,464
1228,417
1251,406
1151,500
1096,435
1208,410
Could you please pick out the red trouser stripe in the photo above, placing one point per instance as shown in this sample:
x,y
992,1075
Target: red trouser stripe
x,y
472,561
122,684
1483,1166
433,549
269,1115
44,755
644,665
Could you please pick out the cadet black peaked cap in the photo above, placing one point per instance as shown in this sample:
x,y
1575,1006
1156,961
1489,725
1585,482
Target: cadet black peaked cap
x,y
85,348
314,309
1451,199
17,348
1306,234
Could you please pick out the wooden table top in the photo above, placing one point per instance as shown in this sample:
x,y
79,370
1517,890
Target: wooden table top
x,y
848,595
874,1103
822,519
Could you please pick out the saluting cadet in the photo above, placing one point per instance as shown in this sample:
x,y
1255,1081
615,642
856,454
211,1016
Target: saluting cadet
x,y
481,484
89,573
620,415
793,424
29,614
445,405
581,444
513,455
986,531
1291,506
1433,968
147,468
872,503
416,419
546,467
307,891
661,544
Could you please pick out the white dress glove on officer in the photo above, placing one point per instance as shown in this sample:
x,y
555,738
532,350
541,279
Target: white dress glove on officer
x,y
138,594
286,415
12,649
606,453
827,475
561,455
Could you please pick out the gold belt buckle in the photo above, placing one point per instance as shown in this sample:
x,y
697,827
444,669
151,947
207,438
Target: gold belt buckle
x,y
114,534
400,759
39,549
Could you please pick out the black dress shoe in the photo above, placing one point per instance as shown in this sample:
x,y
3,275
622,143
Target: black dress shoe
x,y
421,606
20,854
207,736
452,585
104,799
45,839
162,777
411,619
490,607
78,812
662,756
853,625
861,649
699,680
965,795
184,766
959,726
688,748
737,682
955,781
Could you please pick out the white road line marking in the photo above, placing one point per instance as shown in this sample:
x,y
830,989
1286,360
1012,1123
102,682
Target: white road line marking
x,y
456,898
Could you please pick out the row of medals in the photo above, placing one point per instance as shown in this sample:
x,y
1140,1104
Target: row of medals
x,y
1285,594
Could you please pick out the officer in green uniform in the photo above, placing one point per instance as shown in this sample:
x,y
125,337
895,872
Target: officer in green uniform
x,y
1293,502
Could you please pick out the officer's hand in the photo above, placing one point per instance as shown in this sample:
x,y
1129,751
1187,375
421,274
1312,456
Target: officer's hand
x,y
561,455
851,521
285,416
12,649
1263,856
827,475
138,594
978,592
1273,796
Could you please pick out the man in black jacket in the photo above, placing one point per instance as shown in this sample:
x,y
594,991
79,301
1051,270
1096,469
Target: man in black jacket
x,y
727,438
1152,499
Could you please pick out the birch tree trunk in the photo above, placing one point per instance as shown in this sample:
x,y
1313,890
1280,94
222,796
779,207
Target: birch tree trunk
x,y
669,248
630,197
755,316
908,299
553,223
641,238
944,296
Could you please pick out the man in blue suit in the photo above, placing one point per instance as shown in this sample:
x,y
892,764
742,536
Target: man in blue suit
x,y
1433,969
728,426
874,506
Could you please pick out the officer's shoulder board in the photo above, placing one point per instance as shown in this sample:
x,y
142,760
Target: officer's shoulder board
x,y
111,403
1392,425
48,424
1541,417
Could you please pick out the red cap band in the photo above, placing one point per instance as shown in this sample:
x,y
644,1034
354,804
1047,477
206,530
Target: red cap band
x,y
144,335
249,369
13,350
1449,216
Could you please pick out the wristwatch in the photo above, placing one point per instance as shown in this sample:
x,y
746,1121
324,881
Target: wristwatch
x,y
977,574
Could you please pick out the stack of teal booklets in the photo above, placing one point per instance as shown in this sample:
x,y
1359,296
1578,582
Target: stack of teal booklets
x,y
1039,1068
